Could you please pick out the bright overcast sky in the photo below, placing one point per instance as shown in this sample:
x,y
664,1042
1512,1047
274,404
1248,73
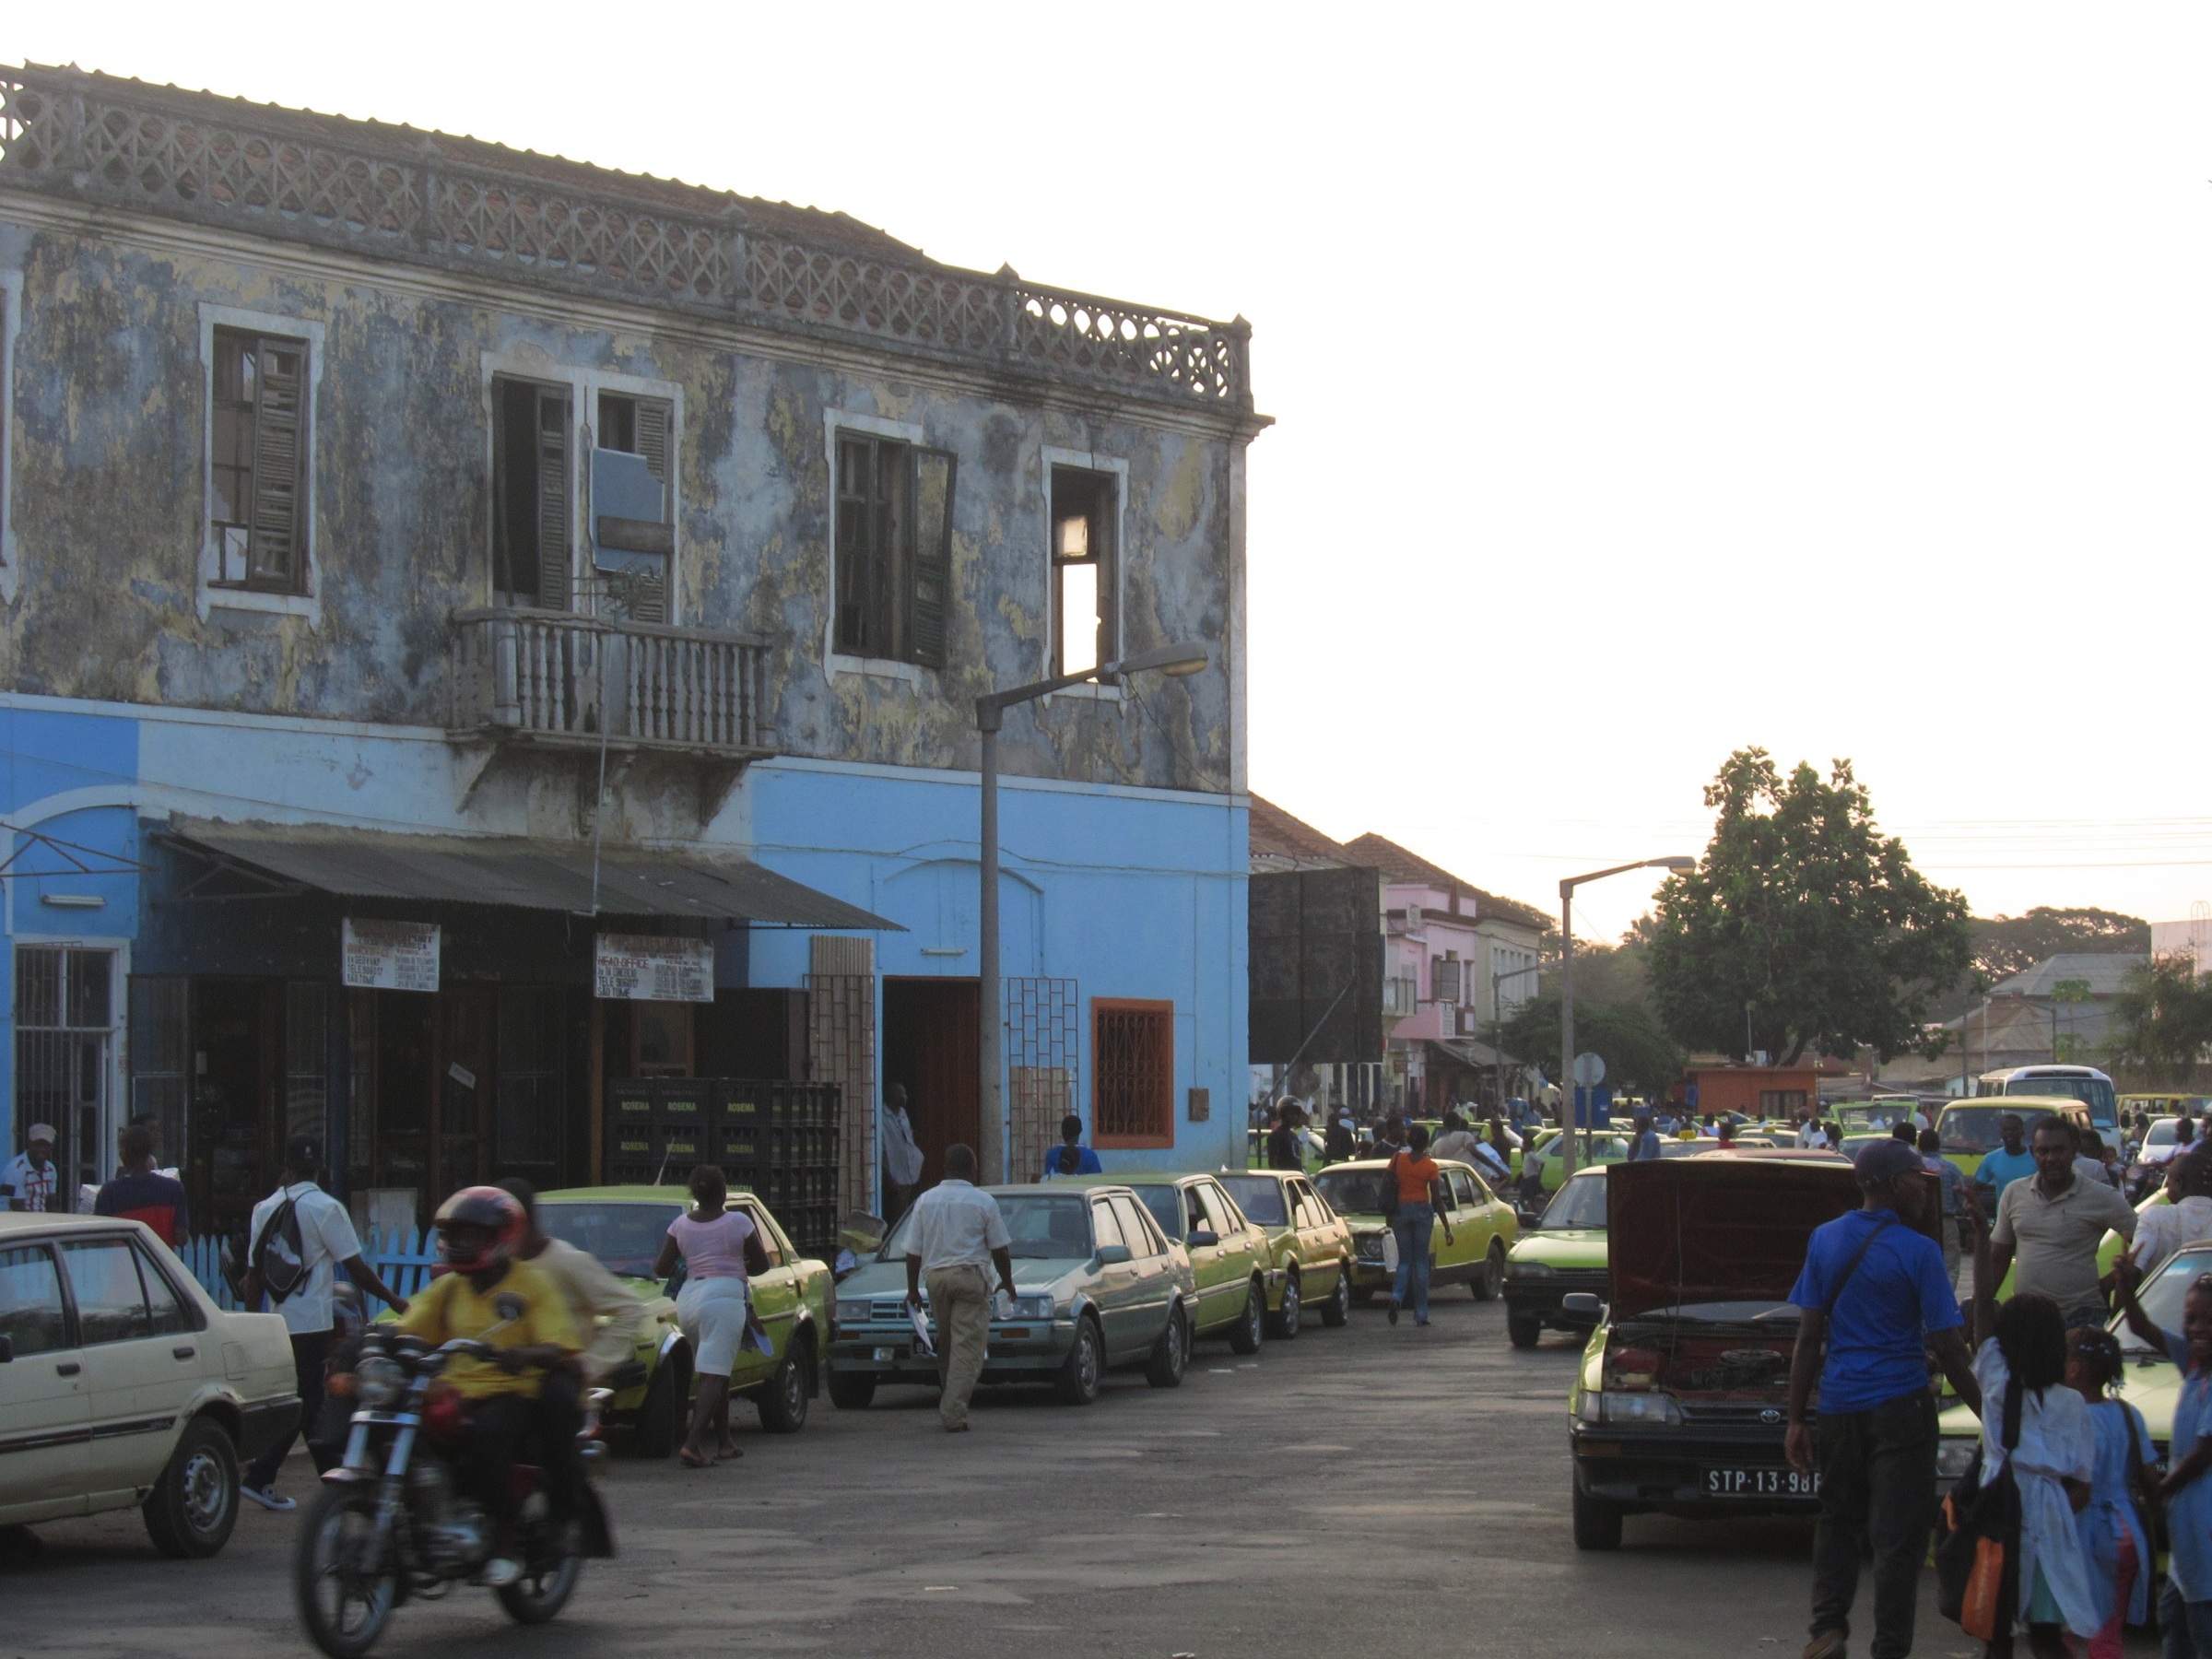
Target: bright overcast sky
x,y
1651,380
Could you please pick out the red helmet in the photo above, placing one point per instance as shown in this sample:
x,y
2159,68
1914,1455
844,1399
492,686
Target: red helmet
x,y
495,1210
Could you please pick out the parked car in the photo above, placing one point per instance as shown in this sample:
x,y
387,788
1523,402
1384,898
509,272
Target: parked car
x,y
122,1385
1680,1402
1968,1128
1097,1285
1592,1148
1483,1228
1309,1248
1229,1256
623,1226
1560,1254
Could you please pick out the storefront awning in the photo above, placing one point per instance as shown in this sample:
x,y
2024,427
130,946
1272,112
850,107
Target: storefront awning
x,y
532,874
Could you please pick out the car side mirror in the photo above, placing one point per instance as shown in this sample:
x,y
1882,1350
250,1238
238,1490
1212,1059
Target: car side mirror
x,y
1201,1238
1582,1303
7,1350
1110,1253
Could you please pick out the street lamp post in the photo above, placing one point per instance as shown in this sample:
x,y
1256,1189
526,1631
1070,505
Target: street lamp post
x,y
1566,888
990,714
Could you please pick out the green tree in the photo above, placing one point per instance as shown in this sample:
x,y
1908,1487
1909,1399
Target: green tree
x,y
1639,1054
2163,1018
2004,946
1804,921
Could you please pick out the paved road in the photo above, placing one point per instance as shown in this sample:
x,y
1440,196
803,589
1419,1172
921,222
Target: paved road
x,y
1357,1492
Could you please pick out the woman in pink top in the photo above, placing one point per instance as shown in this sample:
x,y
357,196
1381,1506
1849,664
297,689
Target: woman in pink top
x,y
720,1248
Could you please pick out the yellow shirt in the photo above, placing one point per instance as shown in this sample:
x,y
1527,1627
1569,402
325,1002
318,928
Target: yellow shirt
x,y
527,1307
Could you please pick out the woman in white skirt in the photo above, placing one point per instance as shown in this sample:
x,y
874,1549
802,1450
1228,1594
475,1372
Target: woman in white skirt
x,y
720,1248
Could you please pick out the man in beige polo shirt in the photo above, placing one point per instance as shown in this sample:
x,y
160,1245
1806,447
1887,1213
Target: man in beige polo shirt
x,y
2048,1229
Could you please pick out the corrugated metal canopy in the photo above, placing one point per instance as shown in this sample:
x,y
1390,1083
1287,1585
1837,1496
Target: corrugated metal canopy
x,y
500,869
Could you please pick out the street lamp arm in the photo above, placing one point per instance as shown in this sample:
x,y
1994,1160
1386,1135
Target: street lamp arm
x,y
1571,882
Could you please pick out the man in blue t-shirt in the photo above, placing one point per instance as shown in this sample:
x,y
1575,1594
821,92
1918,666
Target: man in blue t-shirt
x,y
1874,1299
2008,1163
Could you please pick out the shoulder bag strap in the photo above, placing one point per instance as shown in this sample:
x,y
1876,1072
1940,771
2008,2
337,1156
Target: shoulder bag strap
x,y
1865,1244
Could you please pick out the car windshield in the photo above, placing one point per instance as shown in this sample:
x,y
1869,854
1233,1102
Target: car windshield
x,y
1581,1202
1974,1128
1040,1225
2163,1296
1261,1198
2096,1093
1352,1192
625,1237
1165,1204
2161,1132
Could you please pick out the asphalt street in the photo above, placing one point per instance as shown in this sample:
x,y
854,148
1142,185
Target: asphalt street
x,y
1365,1491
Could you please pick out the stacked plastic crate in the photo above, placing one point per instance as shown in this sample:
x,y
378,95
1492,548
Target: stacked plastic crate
x,y
658,1130
781,1140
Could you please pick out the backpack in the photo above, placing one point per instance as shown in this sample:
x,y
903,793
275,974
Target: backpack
x,y
279,1255
1978,1538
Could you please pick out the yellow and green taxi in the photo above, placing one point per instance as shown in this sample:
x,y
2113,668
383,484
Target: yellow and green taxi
x,y
1309,1248
1558,1255
1592,1148
1483,1228
623,1226
1970,1128
1231,1258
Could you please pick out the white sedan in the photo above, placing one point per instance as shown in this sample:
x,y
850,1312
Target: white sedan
x,y
122,1384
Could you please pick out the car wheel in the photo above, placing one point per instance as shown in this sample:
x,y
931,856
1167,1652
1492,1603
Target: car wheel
x,y
1489,1279
1337,1309
194,1505
1523,1329
1597,1523
850,1391
784,1402
661,1418
1171,1352
1077,1382
1282,1325
1251,1324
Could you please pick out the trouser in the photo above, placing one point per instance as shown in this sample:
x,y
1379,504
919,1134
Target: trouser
x,y
960,1298
2187,1625
555,1424
309,1349
1411,1228
498,1428
1878,1492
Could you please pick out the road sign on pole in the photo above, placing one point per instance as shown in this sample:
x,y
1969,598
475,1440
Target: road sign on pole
x,y
1589,1069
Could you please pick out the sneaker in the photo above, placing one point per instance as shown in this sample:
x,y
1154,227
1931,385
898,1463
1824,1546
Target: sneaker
x,y
1393,1310
498,1572
268,1500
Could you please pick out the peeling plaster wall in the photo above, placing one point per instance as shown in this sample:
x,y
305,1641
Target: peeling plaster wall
x,y
109,436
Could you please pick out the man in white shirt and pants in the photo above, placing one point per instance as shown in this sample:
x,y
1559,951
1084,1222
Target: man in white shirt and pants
x,y
327,1239
902,1157
956,1236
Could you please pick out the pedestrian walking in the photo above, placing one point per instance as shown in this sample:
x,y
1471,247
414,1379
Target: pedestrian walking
x,y
2009,1161
901,1154
2115,1543
2185,1604
1285,1150
31,1176
1873,1300
956,1239
721,1250
1962,1215
297,1239
1339,1145
2048,1229
1420,1206
1071,1156
2185,1217
1456,1141
1644,1144
141,1193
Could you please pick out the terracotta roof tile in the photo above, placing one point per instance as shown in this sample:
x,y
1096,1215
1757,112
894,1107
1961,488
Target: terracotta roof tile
x,y
1399,865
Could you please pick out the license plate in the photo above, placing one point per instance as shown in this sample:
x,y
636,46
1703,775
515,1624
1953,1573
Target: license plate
x,y
1760,1483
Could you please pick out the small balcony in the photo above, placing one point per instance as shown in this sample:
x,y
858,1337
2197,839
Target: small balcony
x,y
555,679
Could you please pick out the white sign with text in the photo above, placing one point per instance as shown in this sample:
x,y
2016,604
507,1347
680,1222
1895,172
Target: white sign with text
x,y
648,968
390,956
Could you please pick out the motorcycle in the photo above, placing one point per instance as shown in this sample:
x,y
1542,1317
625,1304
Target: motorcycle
x,y
390,1522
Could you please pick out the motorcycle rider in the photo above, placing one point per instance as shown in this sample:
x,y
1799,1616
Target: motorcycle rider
x,y
508,1305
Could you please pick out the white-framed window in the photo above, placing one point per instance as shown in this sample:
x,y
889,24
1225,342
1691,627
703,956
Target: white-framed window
x,y
890,566
11,322
584,489
1086,502
260,377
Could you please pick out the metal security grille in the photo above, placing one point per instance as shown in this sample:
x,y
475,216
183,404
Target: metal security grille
x,y
1041,1068
840,1049
1133,1073
306,1060
64,1027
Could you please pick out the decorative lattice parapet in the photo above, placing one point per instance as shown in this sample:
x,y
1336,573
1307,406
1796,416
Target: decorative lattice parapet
x,y
397,193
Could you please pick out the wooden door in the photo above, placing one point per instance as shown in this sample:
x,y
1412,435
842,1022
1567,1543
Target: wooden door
x,y
464,1059
929,1046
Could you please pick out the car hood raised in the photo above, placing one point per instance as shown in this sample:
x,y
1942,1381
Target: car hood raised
x,y
1719,1229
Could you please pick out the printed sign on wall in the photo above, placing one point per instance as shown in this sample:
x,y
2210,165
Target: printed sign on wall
x,y
647,968
390,956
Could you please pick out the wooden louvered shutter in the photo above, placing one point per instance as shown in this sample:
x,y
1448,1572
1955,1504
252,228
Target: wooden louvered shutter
x,y
929,561
656,417
553,572
275,546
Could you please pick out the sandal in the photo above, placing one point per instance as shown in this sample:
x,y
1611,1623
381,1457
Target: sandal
x,y
727,1453
690,1459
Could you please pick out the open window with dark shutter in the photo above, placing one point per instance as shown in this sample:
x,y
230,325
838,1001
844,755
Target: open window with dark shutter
x,y
893,568
1086,582
633,507
257,500
530,494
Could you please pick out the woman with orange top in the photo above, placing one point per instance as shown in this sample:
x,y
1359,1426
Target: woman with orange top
x,y
1420,1206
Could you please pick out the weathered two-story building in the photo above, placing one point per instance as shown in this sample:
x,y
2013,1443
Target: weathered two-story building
x,y
480,628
